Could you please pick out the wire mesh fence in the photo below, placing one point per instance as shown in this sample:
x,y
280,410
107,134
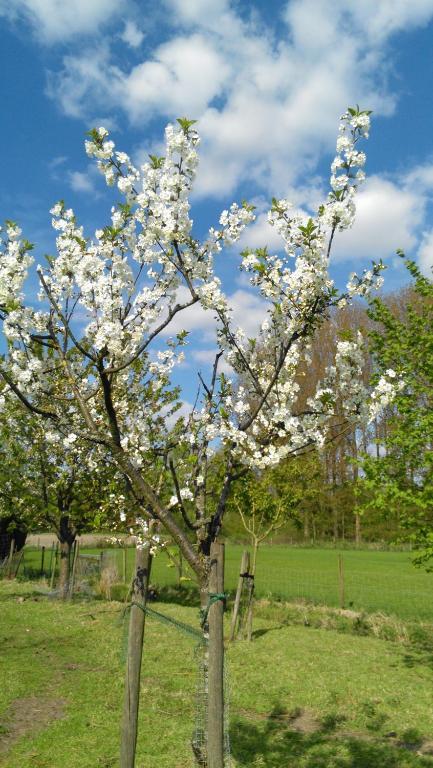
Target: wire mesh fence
x,y
361,580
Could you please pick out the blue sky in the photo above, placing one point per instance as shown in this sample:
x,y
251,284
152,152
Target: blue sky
x,y
267,83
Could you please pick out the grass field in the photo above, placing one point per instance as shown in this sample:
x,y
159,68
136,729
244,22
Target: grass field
x,y
374,580
300,697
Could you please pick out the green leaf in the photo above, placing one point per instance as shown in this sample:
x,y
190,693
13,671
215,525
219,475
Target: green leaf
x,y
156,162
185,124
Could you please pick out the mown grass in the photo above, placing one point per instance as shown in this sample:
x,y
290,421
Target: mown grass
x,y
300,696
374,580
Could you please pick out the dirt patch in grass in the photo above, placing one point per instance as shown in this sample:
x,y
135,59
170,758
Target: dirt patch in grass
x,y
27,716
298,719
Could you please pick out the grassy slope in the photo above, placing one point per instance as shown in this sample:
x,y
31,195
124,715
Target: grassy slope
x,y
342,692
384,581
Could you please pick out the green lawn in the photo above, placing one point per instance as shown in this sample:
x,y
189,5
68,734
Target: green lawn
x,y
374,581
300,697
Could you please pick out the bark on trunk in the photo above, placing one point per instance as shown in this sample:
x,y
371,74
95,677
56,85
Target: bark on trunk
x,y
357,529
64,568
306,525
140,585
355,480
215,720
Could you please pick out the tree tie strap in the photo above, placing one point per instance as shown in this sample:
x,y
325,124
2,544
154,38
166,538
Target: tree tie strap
x,y
214,597
179,625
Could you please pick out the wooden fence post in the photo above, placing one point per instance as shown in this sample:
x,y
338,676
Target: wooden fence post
x,y
42,561
11,557
143,562
20,560
54,564
245,566
215,715
341,580
51,558
74,566
250,605
124,564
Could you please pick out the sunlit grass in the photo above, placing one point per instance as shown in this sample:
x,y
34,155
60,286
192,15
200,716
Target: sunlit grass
x,y
374,580
300,696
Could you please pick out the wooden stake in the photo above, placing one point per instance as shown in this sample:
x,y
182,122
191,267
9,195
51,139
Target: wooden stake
x,y
250,605
42,561
341,580
54,563
215,719
245,566
11,557
51,558
74,566
124,564
143,562
20,560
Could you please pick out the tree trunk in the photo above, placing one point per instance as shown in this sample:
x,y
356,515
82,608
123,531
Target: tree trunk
x,y
66,535
306,525
180,569
357,529
355,480
140,585
214,634
335,521
64,568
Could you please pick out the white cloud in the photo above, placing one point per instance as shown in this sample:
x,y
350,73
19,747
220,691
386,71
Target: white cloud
x,y
183,76
207,358
267,102
183,412
267,106
370,18
261,234
188,72
205,13
56,20
248,309
132,35
388,217
81,182
421,178
425,253
391,214
57,161
83,78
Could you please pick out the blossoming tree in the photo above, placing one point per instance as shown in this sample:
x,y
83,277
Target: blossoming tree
x,y
45,481
109,383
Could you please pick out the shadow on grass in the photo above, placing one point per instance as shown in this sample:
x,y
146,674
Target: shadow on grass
x,y
417,657
260,632
184,595
274,742
420,649
34,594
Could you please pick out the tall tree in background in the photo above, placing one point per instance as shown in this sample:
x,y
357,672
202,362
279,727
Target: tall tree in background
x,y
401,480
